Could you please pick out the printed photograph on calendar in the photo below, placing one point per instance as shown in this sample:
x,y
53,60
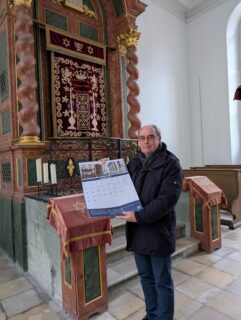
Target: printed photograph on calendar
x,y
108,188
96,169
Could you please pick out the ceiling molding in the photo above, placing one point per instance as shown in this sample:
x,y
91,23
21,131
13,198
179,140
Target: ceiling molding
x,y
187,9
202,7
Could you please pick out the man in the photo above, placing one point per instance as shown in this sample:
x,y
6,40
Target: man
x,y
157,176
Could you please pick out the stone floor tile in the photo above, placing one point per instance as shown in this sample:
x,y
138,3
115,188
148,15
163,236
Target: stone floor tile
x,y
205,258
104,316
208,313
20,302
135,288
189,267
235,236
228,304
235,256
10,288
198,290
231,244
5,263
222,252
124,305
185,306
229,266
140,314
2,315
235,287
42,312
9,274
179,277
216,277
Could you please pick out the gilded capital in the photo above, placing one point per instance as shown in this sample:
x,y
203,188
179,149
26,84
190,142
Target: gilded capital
x,y
132,37
125,40
121,43
14,3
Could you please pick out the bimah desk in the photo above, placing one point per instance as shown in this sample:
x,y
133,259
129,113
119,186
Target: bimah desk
x,y
83,239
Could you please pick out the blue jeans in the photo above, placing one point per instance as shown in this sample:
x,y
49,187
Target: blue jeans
x,y
157,285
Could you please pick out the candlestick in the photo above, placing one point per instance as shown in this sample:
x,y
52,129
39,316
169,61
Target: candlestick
x,y
53,173
46,172
39,170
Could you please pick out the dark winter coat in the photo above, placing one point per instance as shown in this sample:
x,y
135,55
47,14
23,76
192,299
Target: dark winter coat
x,y
158,184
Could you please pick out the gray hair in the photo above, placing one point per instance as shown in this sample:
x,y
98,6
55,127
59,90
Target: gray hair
x,y
156,129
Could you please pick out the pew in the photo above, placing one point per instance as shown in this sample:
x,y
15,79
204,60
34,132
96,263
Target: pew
x,y
229,180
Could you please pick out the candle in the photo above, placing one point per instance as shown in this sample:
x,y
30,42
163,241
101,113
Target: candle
x,y
46,172
53,173
39,170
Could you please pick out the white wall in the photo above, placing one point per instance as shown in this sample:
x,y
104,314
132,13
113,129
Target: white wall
x,y
184,85
163,77
209,94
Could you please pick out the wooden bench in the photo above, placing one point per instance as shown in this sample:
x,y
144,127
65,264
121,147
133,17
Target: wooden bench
x,y
229,180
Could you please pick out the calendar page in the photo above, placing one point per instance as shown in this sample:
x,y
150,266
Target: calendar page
x,y
108,188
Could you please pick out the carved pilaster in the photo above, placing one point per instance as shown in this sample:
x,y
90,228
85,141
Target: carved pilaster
x,y
127,44
26,72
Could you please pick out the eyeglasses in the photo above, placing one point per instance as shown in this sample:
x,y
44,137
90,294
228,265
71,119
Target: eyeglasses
x,y
151,137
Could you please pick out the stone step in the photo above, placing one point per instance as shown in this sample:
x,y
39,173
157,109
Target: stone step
x,y
118,226
124,269
117,249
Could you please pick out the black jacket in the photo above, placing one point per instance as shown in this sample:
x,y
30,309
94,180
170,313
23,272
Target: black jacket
x,y
158,185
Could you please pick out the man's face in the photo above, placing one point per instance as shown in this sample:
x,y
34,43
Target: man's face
x,y
148,140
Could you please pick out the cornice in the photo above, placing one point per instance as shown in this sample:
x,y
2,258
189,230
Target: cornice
x,y
201,8
187,13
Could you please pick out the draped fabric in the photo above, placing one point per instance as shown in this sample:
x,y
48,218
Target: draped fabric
x,y
205,191
79,97
75,228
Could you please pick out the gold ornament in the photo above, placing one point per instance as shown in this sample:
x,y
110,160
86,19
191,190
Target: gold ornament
x,y
15,3
132,37
125,40
71,167
88,12
30,140
121,43
60,2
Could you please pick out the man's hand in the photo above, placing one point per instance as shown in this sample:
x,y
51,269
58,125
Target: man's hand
x,y
128,216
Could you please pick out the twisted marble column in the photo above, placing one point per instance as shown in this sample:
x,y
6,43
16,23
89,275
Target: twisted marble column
x,y
127,45
134,91
26,72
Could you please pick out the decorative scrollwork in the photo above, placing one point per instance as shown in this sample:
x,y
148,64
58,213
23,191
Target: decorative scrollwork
x,y
14,3
84,9
88,12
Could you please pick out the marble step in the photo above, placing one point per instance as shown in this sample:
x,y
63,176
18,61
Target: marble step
x,y
118,226
124,269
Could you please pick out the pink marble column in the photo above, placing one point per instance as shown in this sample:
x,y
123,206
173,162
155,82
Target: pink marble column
x,y
134,91
26,73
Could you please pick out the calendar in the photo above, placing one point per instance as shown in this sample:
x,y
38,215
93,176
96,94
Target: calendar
x,y
108,188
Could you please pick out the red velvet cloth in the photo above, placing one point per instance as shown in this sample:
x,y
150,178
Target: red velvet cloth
x,y
60,41
77,231
80,97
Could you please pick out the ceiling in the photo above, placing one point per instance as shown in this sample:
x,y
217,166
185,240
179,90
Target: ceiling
x,y
193,7
187,9
192,3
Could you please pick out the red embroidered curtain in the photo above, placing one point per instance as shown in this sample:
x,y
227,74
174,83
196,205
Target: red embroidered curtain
x,y
79,105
